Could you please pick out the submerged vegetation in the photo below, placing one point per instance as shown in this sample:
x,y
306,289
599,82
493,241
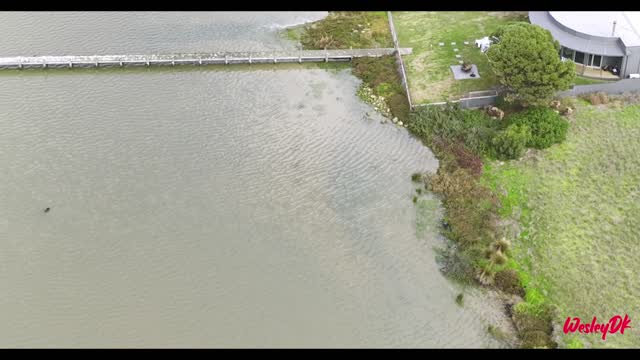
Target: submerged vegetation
x,y
381,83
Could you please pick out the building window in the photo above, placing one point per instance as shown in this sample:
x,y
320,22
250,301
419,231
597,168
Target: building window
x,y
597,61
567,53
579,59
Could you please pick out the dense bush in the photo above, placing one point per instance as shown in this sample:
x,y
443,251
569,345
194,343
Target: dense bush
x,y
526,63
511,142
596,98
381,75
470,207
509,282
537,339
547,126
472,128
457,155
344,29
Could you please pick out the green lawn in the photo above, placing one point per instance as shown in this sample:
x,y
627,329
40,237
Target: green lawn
x,y
579,204
430,78
587,81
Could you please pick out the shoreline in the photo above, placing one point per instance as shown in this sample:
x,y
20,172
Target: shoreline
x,y
368,71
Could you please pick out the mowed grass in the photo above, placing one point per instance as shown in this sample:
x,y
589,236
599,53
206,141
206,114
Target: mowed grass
x,y
428,72
580,80
579,205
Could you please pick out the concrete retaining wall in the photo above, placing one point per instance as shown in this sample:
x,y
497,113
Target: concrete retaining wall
x,y
618,87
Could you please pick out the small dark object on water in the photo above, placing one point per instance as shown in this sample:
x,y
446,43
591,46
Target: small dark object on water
x,y
47,209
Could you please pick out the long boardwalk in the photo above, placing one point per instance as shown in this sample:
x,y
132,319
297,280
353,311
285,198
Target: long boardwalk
x,y
296,56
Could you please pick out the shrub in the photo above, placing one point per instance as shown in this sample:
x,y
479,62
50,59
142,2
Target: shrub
x,y
466,159
575,343
459,155
342,29
566,102
497,333
547,126
597,98
526,63
460,299
416,177
537,339
472,128
511,142
478,130
381,75
509,282
498,258
501,245
526,322
470,207
430,121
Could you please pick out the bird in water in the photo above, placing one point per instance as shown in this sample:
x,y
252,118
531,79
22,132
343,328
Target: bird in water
x,y
47,210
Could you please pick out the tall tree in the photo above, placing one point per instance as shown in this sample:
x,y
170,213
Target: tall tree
x,y
525,60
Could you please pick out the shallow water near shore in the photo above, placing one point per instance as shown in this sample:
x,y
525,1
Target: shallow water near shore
x,y
254,207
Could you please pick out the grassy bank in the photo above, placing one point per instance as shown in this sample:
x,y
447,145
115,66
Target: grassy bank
x,y
578,205
581,80
381,83
477,213
345,29
430,78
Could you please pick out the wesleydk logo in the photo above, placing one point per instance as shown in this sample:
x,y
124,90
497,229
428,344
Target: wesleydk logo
x,y
615,324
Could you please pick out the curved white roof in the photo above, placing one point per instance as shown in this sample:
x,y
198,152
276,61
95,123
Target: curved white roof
x,y
600,23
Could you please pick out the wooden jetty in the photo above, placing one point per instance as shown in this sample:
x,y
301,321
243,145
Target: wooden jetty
x,y
218,58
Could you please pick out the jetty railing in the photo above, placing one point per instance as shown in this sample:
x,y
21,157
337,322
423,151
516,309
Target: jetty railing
x,y
217,58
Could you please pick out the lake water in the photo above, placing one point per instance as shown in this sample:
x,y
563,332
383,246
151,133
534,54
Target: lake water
x,y
209,207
